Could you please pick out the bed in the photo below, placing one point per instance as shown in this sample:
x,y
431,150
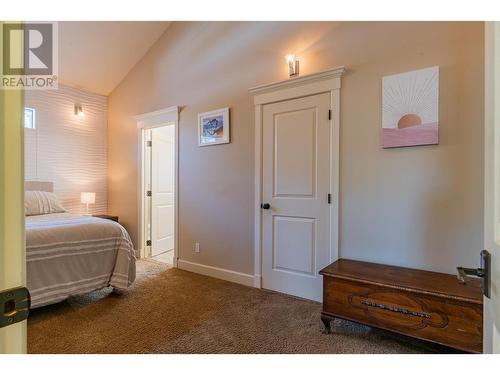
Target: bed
x,y
69,254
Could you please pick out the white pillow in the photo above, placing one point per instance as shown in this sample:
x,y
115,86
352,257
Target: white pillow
x,y
41,203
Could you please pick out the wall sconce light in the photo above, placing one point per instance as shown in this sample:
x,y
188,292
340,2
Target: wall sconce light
x,y
293,65
78,110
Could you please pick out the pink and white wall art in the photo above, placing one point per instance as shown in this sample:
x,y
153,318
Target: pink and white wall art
x,y
410,108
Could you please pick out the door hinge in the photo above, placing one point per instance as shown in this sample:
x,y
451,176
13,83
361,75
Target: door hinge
x,y
329,114
14,306
149,193
329,198
149,143
148,243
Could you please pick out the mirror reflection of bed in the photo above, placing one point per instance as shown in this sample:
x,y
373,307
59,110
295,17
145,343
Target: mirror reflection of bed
x,y
69,254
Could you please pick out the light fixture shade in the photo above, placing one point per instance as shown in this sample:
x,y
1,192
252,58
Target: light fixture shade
x,y
88,198
293,65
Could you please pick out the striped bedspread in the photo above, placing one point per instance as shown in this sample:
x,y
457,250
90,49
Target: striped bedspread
x,y
69,254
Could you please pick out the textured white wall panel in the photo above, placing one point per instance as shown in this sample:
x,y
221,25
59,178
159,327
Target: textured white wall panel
x,y
69,150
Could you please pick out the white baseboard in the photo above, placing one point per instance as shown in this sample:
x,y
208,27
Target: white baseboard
x,y
257,283
219,273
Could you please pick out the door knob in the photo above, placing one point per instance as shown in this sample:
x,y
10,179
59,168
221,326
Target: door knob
x,y
265,206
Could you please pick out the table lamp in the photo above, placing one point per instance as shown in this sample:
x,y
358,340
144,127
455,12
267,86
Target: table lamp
x,y
88,198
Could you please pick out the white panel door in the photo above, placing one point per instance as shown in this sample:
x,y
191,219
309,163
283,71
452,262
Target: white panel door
x,y
12,239
296,183
492,185
162,188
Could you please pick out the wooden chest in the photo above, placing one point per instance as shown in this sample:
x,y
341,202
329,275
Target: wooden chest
x,y
427,305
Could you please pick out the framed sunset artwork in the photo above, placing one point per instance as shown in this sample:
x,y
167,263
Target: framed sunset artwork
x,y
410,106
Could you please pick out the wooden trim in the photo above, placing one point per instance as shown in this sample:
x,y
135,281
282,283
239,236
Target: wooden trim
x,y
491,334
335,174
332,73
145,122
298,92
157,118
311,84
219,273
12,236
141,251
258,197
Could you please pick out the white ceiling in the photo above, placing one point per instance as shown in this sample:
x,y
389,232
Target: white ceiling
x,y
96,56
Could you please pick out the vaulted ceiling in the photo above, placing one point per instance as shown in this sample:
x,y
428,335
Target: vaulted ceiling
x,y
96,56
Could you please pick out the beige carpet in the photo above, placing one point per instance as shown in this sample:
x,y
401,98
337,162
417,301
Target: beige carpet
x,y
174,311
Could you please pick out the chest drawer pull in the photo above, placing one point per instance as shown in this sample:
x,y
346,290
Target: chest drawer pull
x,y
395,309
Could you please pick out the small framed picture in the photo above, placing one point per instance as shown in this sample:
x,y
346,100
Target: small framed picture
x,y
213,127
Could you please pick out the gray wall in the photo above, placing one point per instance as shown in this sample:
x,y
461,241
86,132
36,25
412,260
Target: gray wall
x,y
419,207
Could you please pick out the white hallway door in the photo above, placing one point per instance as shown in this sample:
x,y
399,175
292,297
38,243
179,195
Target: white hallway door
x,y
162,189
295,185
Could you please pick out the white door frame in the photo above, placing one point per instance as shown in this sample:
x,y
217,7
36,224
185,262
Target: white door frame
x,y
311,84
12,238
147,121
491,337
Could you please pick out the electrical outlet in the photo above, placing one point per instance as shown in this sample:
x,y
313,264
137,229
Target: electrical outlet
x,y
197,247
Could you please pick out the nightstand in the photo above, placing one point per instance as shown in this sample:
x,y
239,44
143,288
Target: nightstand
x,y
108,217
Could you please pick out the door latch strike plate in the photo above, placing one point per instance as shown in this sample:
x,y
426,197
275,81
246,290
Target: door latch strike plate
x,y
484,272
14,306
486,266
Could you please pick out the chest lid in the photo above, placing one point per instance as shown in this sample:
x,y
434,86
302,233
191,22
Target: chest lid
x,y
406,279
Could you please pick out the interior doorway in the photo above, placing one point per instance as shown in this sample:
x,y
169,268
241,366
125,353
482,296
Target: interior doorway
x,y
161,181
158,191
297,192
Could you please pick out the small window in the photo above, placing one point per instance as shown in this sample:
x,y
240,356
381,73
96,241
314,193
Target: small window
x,y
29,118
